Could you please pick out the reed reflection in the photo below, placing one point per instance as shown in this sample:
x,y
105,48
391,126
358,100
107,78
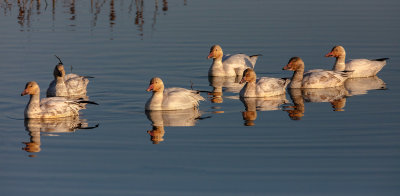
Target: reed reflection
x,y
336,96
175,118
30,10
139,18
71,7
252,105
36,127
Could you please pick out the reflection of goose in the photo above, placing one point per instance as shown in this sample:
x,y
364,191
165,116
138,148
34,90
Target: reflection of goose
x,y
296,111
229,65
221,83
264,103
249,117
161,118
324,94
336,96
51,107
157,134
187,117
254,104
262,87
171,98
70,85
358,67
316,78
360,86
58,125
228,84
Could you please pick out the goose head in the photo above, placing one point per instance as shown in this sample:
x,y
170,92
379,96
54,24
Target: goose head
x,y
215,52
59,71
156,84
31,88
249,75
337,51
294,64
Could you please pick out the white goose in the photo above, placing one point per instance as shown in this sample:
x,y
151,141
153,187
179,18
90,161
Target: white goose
x,y
71,85
52,107
358,67
262,87
229,65
316,78
171,98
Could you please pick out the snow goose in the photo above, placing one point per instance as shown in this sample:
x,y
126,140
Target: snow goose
x,y
52,107
262,87
358,67
171,98
71,85
229,65
316,78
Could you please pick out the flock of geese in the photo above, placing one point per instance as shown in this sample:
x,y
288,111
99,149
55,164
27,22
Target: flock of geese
x,y
243,66
66,94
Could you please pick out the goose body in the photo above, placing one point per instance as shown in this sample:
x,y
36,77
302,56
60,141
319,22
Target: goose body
x,y
229,65
51,107
262,87
356,67
171,98
316,78
71,85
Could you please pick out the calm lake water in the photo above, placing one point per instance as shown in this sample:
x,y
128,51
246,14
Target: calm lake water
x,y
343,141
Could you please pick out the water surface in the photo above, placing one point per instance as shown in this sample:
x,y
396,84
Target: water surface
x,y
342,141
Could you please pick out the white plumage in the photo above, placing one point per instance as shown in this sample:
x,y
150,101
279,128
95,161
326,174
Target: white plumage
x,y
262,87
229,65
171,98
356,67
52,107
316,78
71,85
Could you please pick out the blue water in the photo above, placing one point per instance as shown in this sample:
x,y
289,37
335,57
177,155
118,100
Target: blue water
x,y
347,145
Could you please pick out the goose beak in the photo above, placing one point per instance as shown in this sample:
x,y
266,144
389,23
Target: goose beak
x,y
25,92
210,55
329,54
242,80
286,67
150,88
